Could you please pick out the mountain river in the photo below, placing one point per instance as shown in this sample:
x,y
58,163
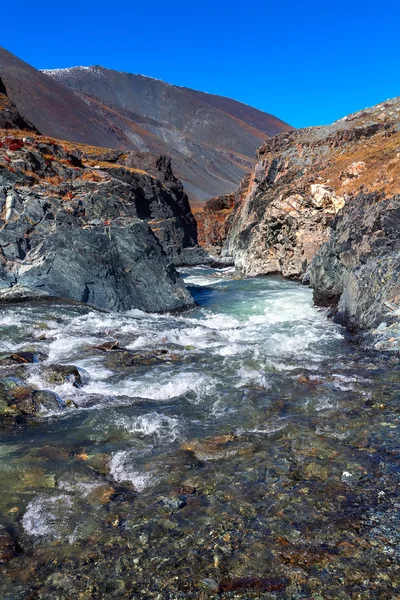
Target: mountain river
x,y
248,448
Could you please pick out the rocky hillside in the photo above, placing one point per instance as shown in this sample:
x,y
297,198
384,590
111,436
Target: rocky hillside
x,y
211,139
52,108
9,115
302,179
75,223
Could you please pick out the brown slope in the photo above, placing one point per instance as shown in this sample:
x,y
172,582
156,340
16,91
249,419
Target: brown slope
x,y
54,109
259,120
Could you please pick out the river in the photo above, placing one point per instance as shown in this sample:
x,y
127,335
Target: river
x,y
247,448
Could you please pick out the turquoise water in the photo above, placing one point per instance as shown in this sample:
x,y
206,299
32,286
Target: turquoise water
x,y
249,449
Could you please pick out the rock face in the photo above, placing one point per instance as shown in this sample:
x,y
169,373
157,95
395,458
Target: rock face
x,y
357,271
77,228
213,223
302,179
212,140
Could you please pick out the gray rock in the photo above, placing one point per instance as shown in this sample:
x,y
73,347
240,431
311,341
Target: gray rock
x,y
357,271
118,268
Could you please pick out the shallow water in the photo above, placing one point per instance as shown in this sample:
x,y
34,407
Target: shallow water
x,y
250,450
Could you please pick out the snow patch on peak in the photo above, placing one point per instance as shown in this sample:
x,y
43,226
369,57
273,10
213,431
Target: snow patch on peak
x,y
69,70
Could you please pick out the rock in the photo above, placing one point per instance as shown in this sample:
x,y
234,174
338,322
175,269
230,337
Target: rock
x,y
8,547
168,213
357,270
131,359
9,115
89,240
258,584
323,196
213,223
16,397
125,269
107,346
25,357
20,292
218,447
60,374
47,400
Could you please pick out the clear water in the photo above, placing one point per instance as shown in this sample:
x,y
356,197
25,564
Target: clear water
x,y
251,450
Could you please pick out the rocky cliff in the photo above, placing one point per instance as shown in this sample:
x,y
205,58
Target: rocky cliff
x,y
301,180
357,272
75,223
9,115
213,223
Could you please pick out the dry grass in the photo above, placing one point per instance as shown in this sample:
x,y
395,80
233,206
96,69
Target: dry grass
x,y
381,155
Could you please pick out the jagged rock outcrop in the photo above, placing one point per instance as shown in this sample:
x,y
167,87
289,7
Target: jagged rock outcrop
x,y
168,211
357,271
213,223
302,179
75,227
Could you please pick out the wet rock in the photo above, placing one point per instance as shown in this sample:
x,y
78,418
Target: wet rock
x,y
60,374
16,397
258,584
25,357
219,447
47,400
107,346
8,548
173,503
52,453
124,358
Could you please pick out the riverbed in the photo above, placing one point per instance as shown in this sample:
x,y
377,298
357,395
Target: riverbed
x,y
246,448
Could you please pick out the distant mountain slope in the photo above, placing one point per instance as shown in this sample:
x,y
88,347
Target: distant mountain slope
x,y
51,107
212,140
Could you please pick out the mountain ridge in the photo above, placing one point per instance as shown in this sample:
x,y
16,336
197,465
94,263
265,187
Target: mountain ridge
x,y
210,143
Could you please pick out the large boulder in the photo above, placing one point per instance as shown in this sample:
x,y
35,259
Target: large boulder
x,y
114,268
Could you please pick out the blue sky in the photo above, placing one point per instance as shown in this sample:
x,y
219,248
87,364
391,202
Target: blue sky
x,y
307,62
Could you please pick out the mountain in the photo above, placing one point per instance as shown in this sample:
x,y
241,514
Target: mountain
x,y
212,140
51,107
